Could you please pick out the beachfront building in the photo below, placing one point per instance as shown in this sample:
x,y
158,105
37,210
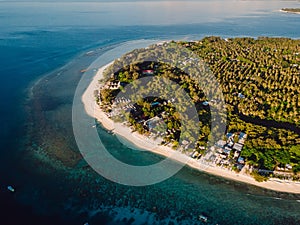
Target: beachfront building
x,y
205,103
148,72
113,85
228,151
152,123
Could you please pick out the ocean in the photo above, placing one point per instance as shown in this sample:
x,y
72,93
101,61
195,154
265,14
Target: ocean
x,y
43,48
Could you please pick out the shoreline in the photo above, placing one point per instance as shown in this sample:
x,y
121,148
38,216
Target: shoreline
x,y
93,110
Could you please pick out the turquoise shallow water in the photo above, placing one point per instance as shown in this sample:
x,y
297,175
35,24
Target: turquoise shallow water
x,y
38,38
84,194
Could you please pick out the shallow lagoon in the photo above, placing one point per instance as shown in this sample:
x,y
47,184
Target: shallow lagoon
x,y
179,199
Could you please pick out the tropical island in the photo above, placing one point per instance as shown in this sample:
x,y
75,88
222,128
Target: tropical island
x,y
291,10
260,82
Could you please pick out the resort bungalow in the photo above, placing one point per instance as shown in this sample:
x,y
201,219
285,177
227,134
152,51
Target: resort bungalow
x,y
237,147
206,103
240,95
227,150
195,155
265,172
242,138
148,72
222,156
202,147
241,160
113,85
230,143
242,135
155,104
288,166
229,135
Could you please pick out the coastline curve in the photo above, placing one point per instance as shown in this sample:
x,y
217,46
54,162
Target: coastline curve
x,y
94,151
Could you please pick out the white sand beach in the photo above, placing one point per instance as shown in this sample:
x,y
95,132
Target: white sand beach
x,y
143,142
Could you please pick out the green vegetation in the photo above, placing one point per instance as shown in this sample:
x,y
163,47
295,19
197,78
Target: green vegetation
x,y
291,10
260,80
266,72
258,177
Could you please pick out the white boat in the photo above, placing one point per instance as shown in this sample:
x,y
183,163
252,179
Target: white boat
x,y
203,218
10,188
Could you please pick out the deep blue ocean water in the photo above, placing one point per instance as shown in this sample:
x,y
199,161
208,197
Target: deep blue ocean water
x,y
37,38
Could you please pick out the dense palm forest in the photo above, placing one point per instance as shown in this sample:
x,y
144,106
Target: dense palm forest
x,y
260,80
291,10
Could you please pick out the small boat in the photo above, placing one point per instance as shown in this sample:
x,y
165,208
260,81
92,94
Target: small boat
x,y
10,188
203,218
90,53
111,132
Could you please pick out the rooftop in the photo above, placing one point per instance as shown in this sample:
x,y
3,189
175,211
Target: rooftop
x,y
238,146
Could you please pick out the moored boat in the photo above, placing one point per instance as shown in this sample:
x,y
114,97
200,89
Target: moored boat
x,y
203,218
10,188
